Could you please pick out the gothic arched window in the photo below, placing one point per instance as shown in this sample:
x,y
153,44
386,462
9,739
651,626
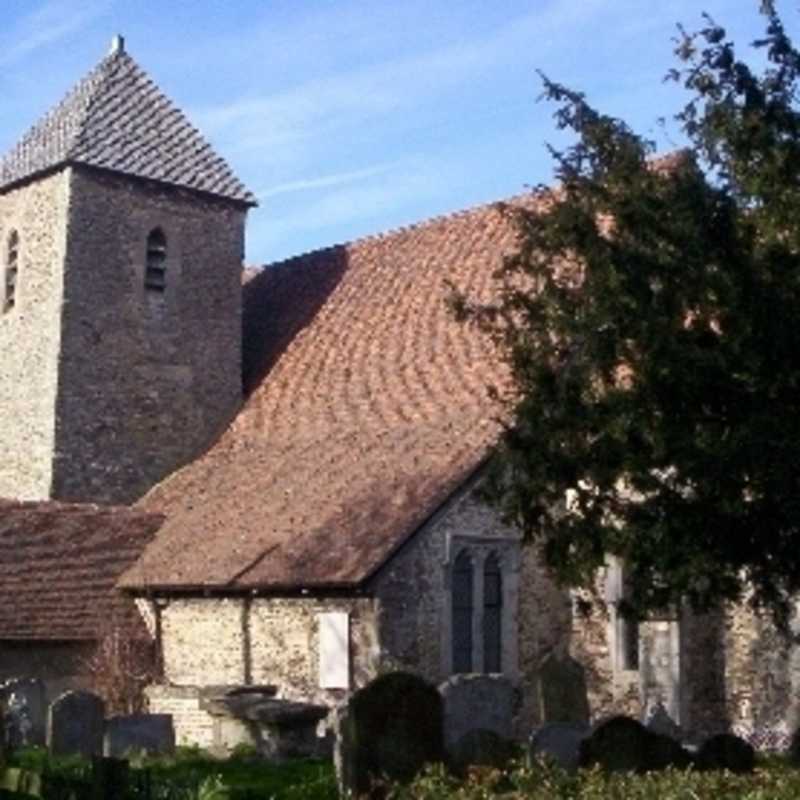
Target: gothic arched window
x,y
11,271
492,614
462,613
155,274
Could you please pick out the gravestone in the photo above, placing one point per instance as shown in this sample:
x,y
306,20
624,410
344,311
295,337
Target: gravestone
x,y
387,730
623,744
562,690
559,742
153,734
658,720
476,701
616,744
481,748
75,724
26,711
726,751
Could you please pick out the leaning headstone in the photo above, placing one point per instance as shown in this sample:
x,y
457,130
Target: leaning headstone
x,y
481,748
476,701
26,711
558,742
75,724
388,730
153,734
726,751
562,690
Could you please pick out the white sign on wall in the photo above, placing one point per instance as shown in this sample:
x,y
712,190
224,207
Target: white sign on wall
x,y
334,650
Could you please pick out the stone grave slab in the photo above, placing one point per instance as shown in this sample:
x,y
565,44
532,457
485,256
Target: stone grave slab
x,y
153,734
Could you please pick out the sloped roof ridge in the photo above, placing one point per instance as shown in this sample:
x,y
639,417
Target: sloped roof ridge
x,y
66,505
50,140
533,195
117,118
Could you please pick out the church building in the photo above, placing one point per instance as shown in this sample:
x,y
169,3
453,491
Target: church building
x,y
272,470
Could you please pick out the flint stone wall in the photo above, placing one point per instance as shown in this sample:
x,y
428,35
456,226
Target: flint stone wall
x,y
403,623
236,641
30,334
147,380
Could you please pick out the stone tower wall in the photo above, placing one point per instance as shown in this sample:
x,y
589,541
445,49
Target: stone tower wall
x,y
30,334
146,381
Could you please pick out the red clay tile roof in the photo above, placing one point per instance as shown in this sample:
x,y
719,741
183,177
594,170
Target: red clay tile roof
x,y
367,408
59,563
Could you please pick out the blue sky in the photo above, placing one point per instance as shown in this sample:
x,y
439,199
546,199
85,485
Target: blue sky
x,y
350,118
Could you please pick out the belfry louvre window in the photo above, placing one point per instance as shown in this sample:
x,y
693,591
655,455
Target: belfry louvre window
x,y
11,271
155,275
462,613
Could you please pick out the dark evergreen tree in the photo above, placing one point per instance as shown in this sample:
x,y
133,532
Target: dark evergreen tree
x,y
651,323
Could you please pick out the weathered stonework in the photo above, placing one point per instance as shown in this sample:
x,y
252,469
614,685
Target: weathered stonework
x,y
105,388
30,334
146,380
231,641
733,670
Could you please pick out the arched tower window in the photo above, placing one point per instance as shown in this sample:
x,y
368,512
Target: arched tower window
x,y
492,614
462,613
12,269
155,274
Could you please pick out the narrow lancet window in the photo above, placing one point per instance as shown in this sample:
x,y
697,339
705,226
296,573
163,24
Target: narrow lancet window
x,y
462,613
492,614
12,270
155,276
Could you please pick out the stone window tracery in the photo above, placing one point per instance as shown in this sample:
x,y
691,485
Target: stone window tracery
x,y
492,614
480,623
11,271
462,613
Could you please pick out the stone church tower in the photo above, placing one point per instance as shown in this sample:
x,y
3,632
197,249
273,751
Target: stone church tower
x,y
121,244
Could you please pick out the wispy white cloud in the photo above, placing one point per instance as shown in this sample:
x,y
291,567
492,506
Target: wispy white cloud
x,y
45,25
319,107
333,212
325,181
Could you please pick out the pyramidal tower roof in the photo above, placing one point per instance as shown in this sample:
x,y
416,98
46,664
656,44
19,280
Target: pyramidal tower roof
x,y
117,119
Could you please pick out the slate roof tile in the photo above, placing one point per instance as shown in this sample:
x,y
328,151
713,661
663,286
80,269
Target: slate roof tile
x,y
116,118
367,408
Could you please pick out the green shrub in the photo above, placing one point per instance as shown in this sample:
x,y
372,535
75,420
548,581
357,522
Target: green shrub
x,y
775,781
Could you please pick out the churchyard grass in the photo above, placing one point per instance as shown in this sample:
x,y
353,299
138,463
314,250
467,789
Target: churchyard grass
x,y
193,775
